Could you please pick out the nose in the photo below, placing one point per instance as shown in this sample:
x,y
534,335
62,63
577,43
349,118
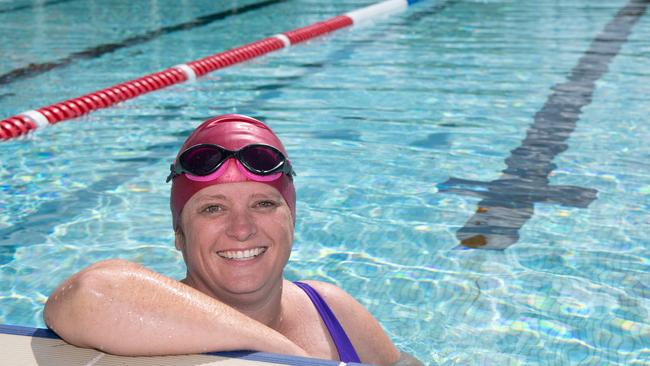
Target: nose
x,y
241,226
231,173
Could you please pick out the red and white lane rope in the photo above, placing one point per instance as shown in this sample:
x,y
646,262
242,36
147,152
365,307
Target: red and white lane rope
x,y
25,122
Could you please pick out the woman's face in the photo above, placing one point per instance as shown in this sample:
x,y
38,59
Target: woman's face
x,y
236,239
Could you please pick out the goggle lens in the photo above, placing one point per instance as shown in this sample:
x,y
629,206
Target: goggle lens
x,y
202,160
260,159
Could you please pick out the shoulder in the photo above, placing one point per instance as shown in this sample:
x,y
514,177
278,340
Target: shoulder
x,y
330,292
346,308
343,304
365,332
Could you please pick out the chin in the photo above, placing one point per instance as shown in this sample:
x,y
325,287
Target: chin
x,y
252,286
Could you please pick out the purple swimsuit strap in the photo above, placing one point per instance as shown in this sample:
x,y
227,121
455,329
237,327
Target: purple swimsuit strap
x,y
346,350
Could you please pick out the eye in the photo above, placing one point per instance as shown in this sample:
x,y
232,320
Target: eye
x,y
212,209
266,204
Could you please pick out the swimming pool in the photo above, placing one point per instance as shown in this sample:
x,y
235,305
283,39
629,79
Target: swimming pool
x,y
377,121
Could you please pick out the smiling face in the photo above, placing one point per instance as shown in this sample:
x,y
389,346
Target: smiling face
x,y
236,239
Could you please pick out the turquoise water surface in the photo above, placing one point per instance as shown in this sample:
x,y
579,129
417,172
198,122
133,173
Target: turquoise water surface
x,y
376,120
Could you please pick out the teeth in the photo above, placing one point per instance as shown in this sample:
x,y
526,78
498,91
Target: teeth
x,y
241,254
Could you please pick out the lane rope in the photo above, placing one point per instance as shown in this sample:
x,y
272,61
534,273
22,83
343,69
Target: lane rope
x,y
28,121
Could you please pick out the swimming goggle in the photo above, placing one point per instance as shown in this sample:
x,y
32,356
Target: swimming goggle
x,y
205,162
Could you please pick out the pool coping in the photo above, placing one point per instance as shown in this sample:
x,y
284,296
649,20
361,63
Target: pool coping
x,y
254,356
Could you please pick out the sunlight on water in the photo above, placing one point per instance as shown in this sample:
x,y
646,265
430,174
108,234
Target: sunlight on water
x,y
376,120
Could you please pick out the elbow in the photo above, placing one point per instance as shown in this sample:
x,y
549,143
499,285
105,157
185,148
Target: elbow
x,y
71,310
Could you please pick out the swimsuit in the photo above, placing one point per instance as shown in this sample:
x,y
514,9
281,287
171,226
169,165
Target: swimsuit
x,y
341,340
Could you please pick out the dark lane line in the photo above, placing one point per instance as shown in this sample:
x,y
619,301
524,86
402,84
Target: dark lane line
x,y
33,6
508,202
33,69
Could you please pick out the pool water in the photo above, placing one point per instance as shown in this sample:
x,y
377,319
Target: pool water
x,y
376,120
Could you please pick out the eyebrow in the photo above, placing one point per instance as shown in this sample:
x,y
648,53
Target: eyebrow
x,y
212,196
266,195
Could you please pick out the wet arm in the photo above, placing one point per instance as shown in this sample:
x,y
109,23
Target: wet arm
x,y
123,308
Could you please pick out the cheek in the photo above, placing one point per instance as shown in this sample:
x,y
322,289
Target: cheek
x,y
196,234
284,230
277,227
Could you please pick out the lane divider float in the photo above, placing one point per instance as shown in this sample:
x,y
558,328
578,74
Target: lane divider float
x,y
28,121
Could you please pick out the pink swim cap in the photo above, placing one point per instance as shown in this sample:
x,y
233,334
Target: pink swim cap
x,y
231,131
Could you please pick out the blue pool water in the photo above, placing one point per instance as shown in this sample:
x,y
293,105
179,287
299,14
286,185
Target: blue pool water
x,y
377,119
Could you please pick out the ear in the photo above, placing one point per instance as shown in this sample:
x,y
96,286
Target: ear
x,y
179,240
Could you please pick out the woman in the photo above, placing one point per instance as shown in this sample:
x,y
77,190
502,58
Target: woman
x,y
233,210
